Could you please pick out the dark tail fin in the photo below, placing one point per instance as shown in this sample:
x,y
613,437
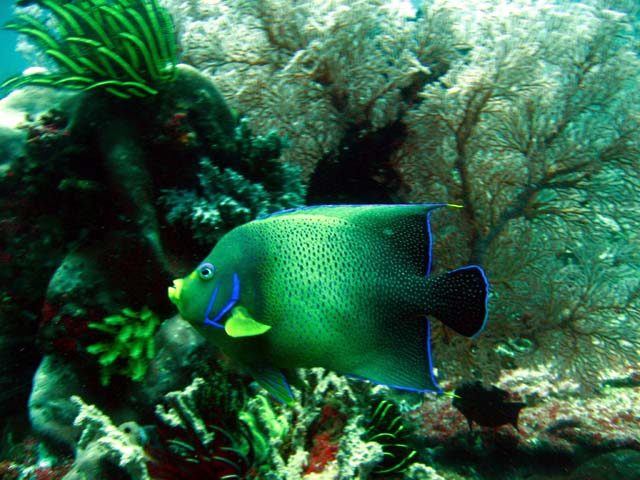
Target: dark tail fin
x,y
459,299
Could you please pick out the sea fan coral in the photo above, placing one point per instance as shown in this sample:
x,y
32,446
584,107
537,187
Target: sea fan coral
x,y
524,112
315,70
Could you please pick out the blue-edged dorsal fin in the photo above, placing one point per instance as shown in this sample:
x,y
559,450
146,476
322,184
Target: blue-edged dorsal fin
x,y
406,226
241,324
274,382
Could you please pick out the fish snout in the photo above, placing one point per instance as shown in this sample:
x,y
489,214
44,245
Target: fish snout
x,y
175,291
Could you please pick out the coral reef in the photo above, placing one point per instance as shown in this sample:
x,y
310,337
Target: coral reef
x,y
52,413
82,218
51,410
328,431
320,73
179,352
104,450
29,461
191,445
255,184
621,464
558,426
530,147
524,111
28,238
386,427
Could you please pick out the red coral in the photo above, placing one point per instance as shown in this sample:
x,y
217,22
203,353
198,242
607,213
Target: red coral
x,y
24,457
324,450
48,312
325,441
179,130
63,333
50,473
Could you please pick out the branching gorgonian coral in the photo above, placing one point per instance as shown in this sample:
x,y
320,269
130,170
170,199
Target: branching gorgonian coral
x,y
315,69
521,111
536,133
524,111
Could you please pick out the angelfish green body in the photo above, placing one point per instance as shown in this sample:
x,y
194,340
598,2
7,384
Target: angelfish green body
x,y
341,287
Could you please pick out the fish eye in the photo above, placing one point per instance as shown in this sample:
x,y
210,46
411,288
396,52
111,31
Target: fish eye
x,y
205,271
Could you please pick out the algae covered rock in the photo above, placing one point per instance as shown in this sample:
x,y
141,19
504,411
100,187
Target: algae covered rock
x,y
617,465
97,170
51,410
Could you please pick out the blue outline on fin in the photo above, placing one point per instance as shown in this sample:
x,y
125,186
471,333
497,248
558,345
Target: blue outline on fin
x,y
428,271
274,384
429,356
486,297
310,207
235,296
430,240
438,390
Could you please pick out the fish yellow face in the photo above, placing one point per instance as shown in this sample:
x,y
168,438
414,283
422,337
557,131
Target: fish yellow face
x,y
205,296
211,300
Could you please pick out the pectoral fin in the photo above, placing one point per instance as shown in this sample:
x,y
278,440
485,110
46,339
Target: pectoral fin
x,y
275,383
241,324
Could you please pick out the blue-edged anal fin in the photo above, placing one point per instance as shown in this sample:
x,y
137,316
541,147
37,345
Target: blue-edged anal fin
x,y
275,382
402,358
242,324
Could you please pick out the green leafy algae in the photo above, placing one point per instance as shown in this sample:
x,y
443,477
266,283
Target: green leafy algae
x,y
131,347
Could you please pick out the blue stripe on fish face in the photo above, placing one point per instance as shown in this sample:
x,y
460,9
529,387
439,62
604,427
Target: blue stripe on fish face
x,y
235,296
207,320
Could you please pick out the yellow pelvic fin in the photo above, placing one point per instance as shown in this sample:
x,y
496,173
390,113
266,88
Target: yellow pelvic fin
x,y
175,291
241,324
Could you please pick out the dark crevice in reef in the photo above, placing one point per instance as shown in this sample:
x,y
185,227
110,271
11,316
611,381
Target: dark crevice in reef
x,y
499,459
361,169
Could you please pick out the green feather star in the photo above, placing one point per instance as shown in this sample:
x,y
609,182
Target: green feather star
x,y
124,47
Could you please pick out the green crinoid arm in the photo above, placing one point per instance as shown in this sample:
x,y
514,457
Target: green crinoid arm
x,y
49,80
33,29
124,47
68,24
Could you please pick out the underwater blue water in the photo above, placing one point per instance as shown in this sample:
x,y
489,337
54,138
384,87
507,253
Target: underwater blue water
x,y
12,62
